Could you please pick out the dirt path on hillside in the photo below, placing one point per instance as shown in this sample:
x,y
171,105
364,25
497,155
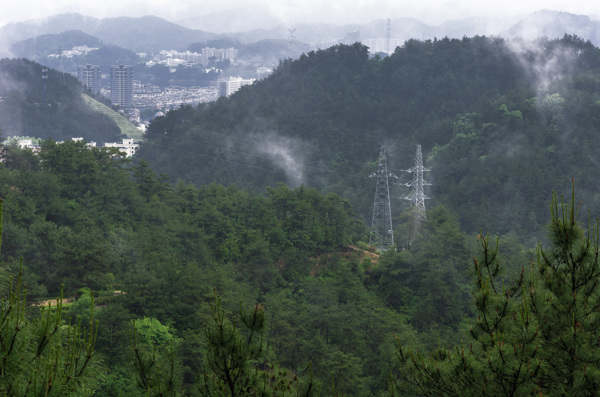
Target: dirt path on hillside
x,y
53,302
364,253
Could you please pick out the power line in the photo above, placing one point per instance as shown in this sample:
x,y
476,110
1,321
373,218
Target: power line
x,y
244,141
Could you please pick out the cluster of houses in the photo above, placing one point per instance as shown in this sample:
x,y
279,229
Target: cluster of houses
x,y
128,147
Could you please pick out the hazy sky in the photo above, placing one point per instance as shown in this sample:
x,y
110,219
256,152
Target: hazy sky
x,y
294,11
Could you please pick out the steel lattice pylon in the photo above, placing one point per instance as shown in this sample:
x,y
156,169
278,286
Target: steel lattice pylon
x,y
418,197
382,235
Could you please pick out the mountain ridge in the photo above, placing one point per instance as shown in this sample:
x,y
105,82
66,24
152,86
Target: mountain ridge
x,y
152,33
476,105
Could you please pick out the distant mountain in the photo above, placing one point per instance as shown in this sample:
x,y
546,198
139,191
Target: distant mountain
x,y
148,34
322,33
474,26
145,34
250,25
553,24
46,44
235,20
15,32
499,128
45,50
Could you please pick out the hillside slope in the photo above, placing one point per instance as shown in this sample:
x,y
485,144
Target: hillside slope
x,y
45,50
127,129
61,114
148,33
492,116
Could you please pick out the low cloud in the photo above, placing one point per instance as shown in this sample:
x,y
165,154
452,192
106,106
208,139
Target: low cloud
x,y
547,62
284,152
10,117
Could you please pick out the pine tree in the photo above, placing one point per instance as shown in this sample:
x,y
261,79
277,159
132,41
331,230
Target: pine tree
x,y
535,336
41,356
235,362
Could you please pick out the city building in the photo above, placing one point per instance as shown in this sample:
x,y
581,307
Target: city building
x,y
121,85
220,54
28,144
127,146
90,77
228,85
89,144
352,37
207,53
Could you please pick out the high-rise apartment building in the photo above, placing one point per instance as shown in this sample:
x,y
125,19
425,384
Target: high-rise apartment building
x,y
121,85
207,53
90,77
228,85
219,53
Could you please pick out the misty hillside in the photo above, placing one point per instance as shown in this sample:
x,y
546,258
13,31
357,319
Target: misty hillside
x,y
45,50
544,23
46,44
501,123
143,34
63,115
265,52
197,258
553,24
151,33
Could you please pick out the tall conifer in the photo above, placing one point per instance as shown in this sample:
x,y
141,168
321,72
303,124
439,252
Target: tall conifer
x,y
536,336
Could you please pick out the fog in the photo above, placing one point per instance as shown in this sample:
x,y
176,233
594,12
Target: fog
x,y
284,152
547,65
267,14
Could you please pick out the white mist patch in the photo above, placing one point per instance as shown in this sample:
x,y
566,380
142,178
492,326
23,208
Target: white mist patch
x,y
10,116
283,152
7,84
548,62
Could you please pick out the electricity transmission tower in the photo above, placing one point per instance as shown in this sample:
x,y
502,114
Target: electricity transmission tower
x,y
291,37
292,43
387,38
60,64
382,235
418,197
44,77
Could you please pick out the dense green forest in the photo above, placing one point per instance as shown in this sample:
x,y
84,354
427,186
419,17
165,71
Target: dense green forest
x,y
62,115
230,257
533,335
85,220
500,123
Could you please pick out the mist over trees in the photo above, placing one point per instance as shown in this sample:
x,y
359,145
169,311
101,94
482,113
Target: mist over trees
x,y
498,121
230,257
32,106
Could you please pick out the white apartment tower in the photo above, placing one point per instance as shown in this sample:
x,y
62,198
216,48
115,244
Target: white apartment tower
x,y
228,85
121,85
90,77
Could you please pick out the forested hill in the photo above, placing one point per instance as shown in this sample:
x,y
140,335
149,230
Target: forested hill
x,y
501,123
61,115
79,218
